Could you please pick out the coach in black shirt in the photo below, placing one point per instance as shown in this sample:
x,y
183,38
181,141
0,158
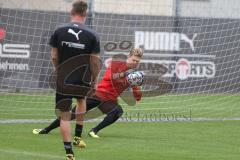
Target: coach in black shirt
x,y
75,56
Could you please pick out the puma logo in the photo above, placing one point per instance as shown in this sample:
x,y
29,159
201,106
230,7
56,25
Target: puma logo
x,y
165,41
74,33
185,38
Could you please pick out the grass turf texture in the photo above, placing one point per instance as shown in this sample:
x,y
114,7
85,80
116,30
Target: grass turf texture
x,y
14,106
132,141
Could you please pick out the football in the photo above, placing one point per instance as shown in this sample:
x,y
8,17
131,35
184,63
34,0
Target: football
x,y
135,78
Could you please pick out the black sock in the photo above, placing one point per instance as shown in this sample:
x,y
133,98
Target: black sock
x,y
68,147
109,119
73,115
78,130
53,125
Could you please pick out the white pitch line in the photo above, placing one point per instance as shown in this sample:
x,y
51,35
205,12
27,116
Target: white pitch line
x,y
127,119
31,154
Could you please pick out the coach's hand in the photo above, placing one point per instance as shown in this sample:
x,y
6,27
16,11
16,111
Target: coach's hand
x,y
93,89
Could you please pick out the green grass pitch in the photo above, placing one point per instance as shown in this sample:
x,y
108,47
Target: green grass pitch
x,y
205,140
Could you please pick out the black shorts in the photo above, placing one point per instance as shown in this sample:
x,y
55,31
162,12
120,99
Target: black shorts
x,y
92,102
104,106
93,105
75,85
64,102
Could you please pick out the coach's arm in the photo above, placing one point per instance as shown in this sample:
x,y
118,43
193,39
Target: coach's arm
x,y
54,57
95,66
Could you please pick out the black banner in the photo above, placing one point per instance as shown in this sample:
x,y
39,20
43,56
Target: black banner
x,y
202,55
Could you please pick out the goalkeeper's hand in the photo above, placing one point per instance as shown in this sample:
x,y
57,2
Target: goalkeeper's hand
x,y
122,74
126,73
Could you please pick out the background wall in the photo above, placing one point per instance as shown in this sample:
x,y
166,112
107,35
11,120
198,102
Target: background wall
x,y
189,8
197,39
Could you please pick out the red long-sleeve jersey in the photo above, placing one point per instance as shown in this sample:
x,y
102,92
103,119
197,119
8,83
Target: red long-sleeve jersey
x,y
109,89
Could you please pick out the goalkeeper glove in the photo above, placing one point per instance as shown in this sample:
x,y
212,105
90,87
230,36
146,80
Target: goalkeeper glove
x,y
126,73
122,74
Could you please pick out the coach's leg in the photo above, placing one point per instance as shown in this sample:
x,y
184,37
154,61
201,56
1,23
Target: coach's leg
x,y
80,111
111,117
65,129
91,103
63,107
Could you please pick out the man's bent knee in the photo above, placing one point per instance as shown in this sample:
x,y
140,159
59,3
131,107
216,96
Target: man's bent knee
x,y
119,111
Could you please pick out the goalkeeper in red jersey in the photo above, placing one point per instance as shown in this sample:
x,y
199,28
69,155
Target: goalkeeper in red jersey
x,y
107,92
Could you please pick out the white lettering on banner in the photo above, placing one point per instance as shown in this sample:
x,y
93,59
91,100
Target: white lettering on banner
x,y
183,68
14,50
164,41
14,66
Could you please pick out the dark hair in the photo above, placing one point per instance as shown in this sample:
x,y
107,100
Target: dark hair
x,y
79,7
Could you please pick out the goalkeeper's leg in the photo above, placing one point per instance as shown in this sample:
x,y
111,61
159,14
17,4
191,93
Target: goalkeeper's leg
x,y
112,116
55,124
91,103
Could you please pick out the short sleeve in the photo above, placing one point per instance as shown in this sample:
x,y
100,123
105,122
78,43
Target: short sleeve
x,y
96,45
53,40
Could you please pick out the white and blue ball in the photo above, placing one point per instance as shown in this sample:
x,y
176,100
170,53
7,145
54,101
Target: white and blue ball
x,y
135,78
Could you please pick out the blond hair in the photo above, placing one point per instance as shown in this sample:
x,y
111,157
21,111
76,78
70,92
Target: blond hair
x,y
136,52
79,7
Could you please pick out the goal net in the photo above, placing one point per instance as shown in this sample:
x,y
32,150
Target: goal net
x,y
197,41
